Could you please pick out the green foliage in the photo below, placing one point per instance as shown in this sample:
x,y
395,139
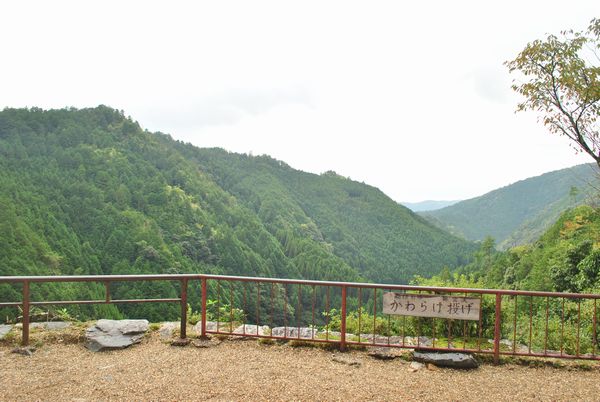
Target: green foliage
x,y
89,192
565,259
193,317
521,212
560,79
359,322
330,224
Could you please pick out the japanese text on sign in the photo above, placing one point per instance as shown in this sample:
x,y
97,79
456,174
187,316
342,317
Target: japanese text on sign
x,y
460,308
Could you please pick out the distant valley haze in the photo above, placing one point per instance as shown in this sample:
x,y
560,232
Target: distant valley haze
x,y
428,205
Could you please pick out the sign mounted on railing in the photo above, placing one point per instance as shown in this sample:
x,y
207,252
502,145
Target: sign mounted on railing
x,y
459,308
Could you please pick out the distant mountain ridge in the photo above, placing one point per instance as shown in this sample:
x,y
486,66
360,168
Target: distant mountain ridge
x,y
89,192
519,213
428,205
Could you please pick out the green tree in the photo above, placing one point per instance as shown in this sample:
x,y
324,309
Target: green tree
x,y
561,81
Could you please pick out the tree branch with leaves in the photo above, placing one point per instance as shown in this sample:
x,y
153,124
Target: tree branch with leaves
x,y
560,79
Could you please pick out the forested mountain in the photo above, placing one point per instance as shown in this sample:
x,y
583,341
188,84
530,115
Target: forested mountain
x,y
521,212
89,192
356,222
566,258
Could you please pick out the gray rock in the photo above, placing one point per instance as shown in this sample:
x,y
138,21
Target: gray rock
x,y
294,332
415,366
454,360
211,326
206,343
339,358
4,329
251,329
26,351
383,340
50,325
126,327
115,334
383,353
180,342
422,341
167,329
505,342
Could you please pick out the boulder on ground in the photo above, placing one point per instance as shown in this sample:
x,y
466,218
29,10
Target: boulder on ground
x,y
251,329
415,366
180,342
384,340
454,360
167,329
340,358
383,353
25,351
212,326
294,332
4,329
115,334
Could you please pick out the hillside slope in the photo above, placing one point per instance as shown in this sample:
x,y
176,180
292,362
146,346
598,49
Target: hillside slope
x,y
566,258
89,192
521,212
383,240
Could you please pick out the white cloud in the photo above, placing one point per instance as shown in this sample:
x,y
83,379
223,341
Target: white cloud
x,y
409,97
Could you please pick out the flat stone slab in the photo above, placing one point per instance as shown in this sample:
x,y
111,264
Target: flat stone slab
x,y
383,353
339,358
180,342
26,351
454,360
115,334
4,329
51,325
294,332
206,343
396,340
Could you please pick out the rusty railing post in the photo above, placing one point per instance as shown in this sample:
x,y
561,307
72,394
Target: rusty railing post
x,y
25,338
343,319
203,325
497,326
183,327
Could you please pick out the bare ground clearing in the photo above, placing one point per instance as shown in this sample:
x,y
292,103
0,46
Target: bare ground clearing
x,y
245,370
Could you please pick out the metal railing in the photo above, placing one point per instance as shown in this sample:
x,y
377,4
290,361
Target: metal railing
x,y
510,322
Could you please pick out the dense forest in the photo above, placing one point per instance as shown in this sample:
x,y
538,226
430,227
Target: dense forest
x,y
521,212
566,258
90,192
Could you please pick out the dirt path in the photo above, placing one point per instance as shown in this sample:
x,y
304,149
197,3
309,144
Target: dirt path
x,y
247,370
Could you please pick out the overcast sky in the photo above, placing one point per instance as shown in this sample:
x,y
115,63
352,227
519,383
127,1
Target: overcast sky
x,y
410,97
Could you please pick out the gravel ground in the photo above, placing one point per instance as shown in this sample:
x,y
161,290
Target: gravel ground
x,y
244,370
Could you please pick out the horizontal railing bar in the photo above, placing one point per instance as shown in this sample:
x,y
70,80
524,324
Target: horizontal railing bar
x,y
10,304
184,279
97,278
59,302
175,277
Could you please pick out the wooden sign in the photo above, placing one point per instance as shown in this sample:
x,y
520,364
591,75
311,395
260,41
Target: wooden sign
x,y
459,308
